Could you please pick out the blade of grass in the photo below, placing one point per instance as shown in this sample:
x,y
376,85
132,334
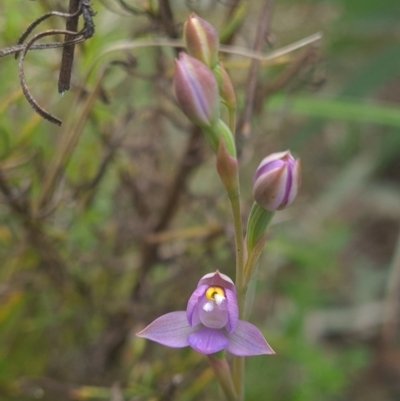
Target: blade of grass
x,y
340,108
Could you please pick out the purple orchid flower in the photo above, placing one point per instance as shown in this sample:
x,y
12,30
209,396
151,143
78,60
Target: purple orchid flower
x,y
210,323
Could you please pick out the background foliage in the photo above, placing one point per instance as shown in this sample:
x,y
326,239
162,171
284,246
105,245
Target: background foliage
x,y
110,220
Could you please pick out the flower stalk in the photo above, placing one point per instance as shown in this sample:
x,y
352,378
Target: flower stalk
x,y
238,361
214,318
223,374
227,167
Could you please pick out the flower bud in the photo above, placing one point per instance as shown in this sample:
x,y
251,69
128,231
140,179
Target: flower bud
x,y
196,90
201,40
277,181
227,167
226,90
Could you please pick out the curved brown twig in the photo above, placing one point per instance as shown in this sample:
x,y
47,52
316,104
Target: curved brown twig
x,y
31,100
38,21
51,45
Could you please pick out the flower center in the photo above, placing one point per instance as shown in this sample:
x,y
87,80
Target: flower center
x,y
215,294
213,313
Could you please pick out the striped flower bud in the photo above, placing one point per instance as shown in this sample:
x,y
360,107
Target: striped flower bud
x,y
201,40
196,90
277,181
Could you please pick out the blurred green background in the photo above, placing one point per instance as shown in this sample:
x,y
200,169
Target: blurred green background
x,y
110,220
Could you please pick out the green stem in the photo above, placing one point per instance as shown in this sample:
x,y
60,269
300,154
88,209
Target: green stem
x,y
232,120
227,166
238,362
238,376
222,373
237,222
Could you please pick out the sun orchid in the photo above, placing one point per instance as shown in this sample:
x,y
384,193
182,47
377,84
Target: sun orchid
x,y
210,323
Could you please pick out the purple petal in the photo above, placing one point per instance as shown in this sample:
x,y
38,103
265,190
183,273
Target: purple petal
x,y
266,168
233,310
270,189
208,341
171,330
191,310
281,185
215,317
296,181
275,156
247,340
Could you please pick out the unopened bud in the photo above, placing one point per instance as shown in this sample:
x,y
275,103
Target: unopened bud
x,y
277,181
196,90
201,40
227,167
226,90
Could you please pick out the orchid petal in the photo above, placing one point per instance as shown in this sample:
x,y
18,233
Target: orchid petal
x,y
296,182
171,330
270,189
272,158
212,315
191,309
247,340
207,341
233,310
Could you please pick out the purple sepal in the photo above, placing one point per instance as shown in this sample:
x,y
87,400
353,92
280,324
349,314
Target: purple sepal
x,y
208,341
247,340
219,279
171,330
